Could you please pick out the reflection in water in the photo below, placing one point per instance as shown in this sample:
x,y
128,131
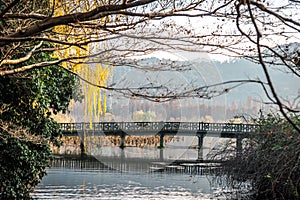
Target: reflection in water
x,y
87,178
136,165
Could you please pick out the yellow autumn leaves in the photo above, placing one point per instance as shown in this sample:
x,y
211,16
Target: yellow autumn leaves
x,y
94,97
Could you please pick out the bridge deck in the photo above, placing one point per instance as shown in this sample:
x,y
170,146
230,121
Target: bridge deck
x,y
159,128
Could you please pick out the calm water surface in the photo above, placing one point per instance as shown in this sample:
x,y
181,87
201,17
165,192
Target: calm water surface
x,y
62,183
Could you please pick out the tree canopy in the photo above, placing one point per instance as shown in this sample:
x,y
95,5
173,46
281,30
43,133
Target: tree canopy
x,y
109,33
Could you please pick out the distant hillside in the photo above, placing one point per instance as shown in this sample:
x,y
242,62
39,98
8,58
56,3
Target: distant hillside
x,y
206,73
196,72
287,85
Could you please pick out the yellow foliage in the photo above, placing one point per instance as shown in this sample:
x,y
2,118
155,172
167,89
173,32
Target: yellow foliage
x,y
94,97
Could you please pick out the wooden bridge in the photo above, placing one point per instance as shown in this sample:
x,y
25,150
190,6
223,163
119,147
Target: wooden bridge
x,y
161,129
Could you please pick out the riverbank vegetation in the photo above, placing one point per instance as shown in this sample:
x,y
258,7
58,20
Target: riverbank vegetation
x,y
27,101
26,128
270,160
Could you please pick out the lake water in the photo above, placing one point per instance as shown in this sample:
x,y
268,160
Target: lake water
x,y
127,174
88,178
61,183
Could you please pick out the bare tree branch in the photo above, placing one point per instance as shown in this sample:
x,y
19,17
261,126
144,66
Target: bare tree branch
x,y
24,16
96,13
270,83
20,60
113,32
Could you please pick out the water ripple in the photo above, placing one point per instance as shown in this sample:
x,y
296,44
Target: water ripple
x,y
70,184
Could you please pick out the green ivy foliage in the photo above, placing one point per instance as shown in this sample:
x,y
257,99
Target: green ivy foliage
x,y
23,164
27,100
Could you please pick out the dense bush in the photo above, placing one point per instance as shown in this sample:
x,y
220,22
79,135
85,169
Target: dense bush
x,y
23,159
26,128
270,161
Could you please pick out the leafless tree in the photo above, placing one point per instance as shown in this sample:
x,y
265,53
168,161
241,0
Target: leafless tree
x,y
112,32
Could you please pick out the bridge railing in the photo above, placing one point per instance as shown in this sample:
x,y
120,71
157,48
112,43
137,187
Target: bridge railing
x,y
159,126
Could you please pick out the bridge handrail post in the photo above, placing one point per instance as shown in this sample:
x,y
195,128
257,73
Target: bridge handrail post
x,y
201,126
120,125
239,129
62,126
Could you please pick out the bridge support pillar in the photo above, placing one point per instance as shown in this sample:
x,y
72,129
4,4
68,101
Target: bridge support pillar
x,y
161,141
200,146
83,143
239,146
122,146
